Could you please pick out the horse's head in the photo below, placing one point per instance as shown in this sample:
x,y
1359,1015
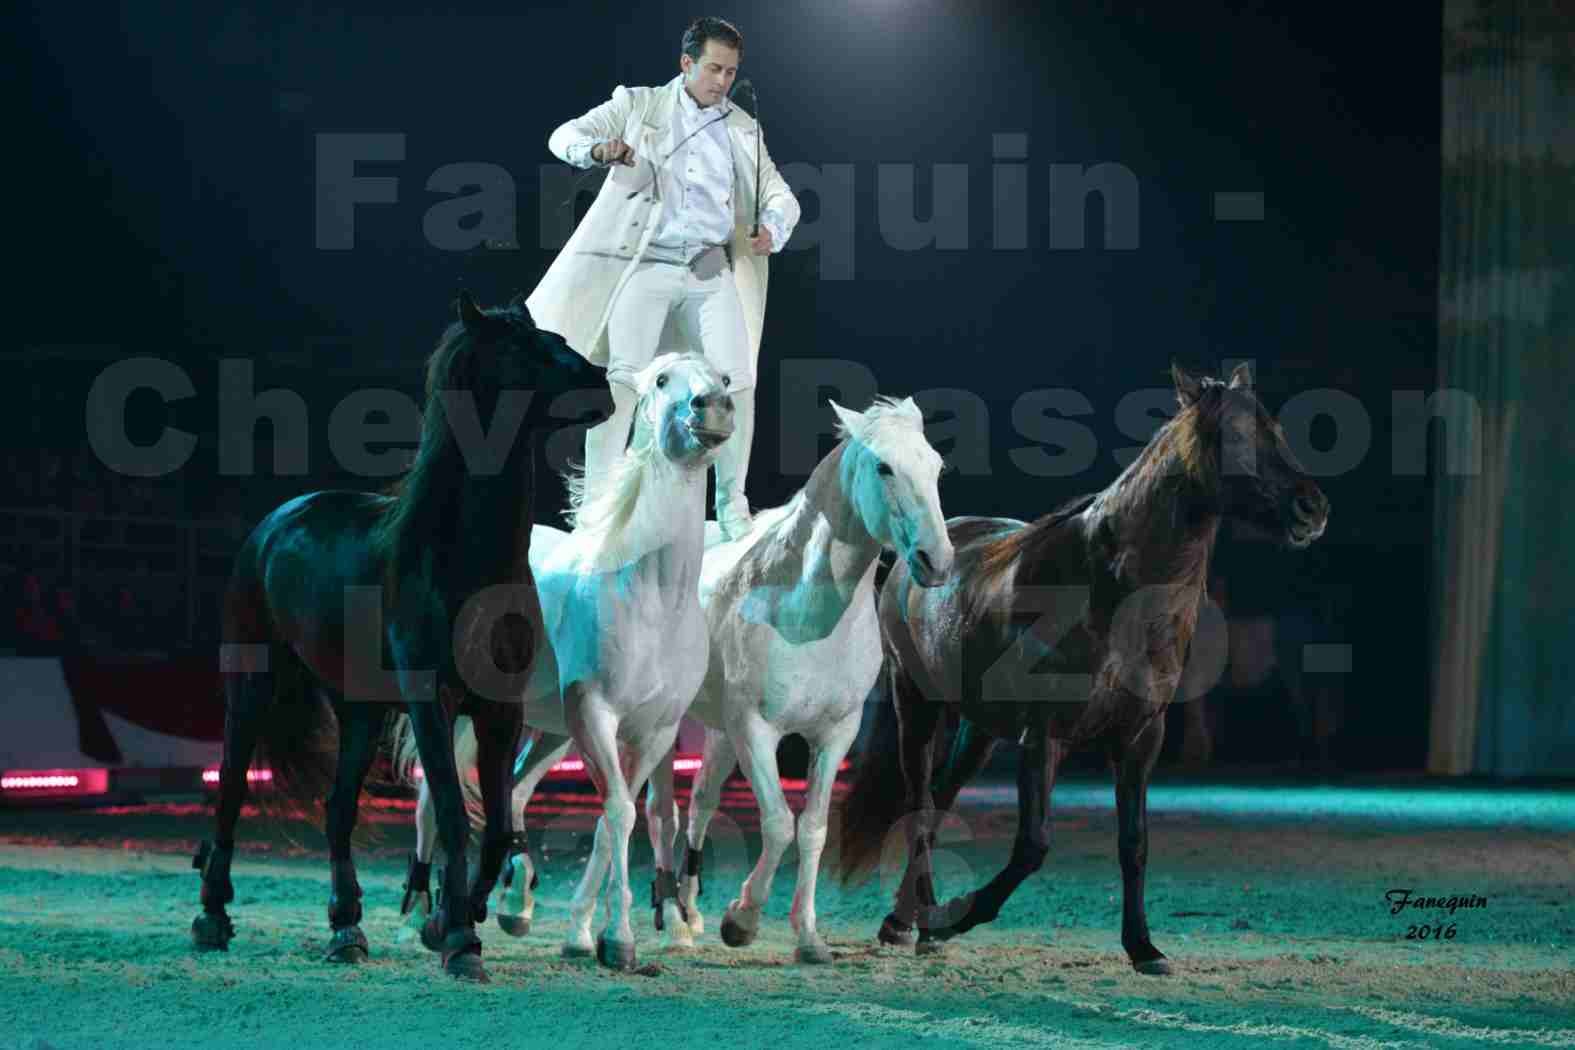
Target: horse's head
x,y
1255,476
684,410
891,476
504,350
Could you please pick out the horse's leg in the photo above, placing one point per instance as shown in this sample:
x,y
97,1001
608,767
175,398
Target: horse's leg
x,y
597,733
918,717
516,902
741,921
1036,773
416,906
451,930
829,752
971,749
1134,763
661,822
247,696
615,945
582,906
705,797
358,729
497,727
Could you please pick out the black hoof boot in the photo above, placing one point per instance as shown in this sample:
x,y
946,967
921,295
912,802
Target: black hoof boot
x,y
418,881
436,926
615,955
432,931
514,925
212,931
462,956
347,945
896,933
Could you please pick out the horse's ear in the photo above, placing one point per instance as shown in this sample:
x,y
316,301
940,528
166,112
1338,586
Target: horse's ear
x,y
851,420
470,314
518,304
1188,388
1241,377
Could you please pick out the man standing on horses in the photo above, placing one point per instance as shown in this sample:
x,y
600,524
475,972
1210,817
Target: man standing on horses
x,y
667,257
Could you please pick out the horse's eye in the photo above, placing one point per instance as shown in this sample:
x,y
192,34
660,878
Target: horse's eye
x,y
661,380
884,470
727,380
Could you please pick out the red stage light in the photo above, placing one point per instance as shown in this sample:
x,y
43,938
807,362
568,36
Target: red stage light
x,y
54,783
210,776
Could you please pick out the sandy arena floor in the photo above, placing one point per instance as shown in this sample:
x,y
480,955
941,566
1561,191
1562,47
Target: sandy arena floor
x,y
1270,901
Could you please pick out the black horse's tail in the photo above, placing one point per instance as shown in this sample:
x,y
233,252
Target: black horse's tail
x,y
878,796
298,738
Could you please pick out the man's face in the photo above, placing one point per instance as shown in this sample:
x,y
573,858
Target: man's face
x,y
710,79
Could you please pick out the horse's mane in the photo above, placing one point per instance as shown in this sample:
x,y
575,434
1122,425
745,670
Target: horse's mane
x,y
421,512
885,412
1176,451
604,506
778,522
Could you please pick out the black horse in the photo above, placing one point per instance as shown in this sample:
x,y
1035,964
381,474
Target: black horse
x,y
1068,632
437,570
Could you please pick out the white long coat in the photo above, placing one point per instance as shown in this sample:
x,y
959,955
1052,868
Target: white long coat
x,y
575,295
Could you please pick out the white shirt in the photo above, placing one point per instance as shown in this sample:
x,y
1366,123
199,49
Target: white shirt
x,y
695,183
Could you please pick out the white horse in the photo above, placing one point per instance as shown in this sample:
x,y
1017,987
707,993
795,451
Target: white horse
x,y
626,631
795,648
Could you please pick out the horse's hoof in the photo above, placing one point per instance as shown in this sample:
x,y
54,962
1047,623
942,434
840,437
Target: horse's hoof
x,y
466,966
514,925
929,946
945,921
615,955
813,954
347,945
734,933
577,951
895,934
1158,967
212,931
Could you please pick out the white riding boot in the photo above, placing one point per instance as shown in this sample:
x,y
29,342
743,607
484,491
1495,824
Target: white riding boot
x,y
732,467
604,443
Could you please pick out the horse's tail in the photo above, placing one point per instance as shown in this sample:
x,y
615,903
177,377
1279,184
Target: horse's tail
x,y
298,737
878,796
406,755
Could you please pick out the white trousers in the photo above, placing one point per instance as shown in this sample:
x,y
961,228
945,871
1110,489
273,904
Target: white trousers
x,y
704,302
707,311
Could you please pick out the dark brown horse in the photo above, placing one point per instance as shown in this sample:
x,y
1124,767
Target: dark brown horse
x,y
1065,633
438,572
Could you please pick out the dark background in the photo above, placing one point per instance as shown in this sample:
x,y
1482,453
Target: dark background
x,y
168,162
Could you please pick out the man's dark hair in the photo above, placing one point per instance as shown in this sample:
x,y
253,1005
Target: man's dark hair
x,y
703,29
